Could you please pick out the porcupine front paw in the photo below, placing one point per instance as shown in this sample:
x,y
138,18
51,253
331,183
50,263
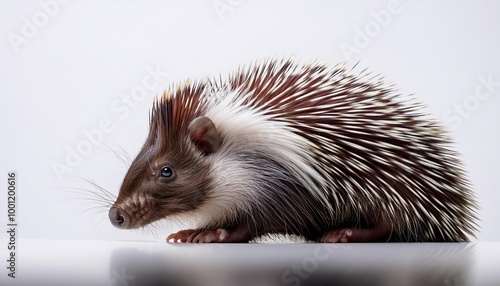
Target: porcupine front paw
x,y
207,236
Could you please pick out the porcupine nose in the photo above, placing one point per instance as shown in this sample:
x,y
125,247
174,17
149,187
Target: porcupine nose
x,y
118,218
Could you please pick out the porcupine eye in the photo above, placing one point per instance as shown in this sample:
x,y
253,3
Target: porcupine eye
x,y
167,172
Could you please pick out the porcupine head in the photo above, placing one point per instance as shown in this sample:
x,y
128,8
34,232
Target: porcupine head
x,y
173,175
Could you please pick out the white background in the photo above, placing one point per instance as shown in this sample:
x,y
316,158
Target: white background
x,y
66,75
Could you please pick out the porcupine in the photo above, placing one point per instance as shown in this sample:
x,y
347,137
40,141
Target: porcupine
x,y
305,150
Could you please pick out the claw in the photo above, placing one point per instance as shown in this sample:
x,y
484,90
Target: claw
x,y
181,236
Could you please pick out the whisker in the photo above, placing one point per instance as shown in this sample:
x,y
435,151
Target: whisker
x,y
95,198
92,211
92,196
126,161
105,192
97,227
125,153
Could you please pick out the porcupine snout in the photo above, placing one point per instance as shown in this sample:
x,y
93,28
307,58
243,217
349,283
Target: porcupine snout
x,y
131,212
118,217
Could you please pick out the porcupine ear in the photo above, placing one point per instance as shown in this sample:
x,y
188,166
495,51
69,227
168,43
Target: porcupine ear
x,y
204,134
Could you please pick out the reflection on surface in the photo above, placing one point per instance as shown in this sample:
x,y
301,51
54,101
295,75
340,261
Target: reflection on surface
x,y
94,263
300,264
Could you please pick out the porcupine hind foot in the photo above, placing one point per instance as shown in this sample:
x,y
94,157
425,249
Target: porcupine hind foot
x,y
356,235
209,236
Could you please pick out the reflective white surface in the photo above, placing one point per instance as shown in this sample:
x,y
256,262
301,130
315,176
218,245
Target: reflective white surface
x,y
50,262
